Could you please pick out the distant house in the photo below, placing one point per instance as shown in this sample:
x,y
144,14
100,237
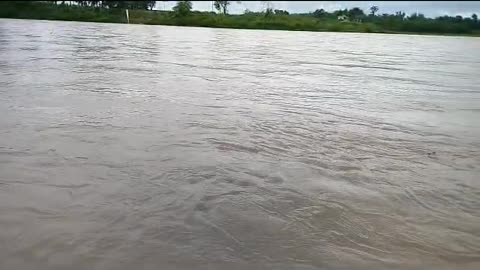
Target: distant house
x,y
343,18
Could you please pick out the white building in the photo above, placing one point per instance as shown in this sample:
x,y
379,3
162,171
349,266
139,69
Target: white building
x,y
343,18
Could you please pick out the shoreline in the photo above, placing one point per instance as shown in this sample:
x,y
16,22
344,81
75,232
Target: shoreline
x,y
247,21
261,29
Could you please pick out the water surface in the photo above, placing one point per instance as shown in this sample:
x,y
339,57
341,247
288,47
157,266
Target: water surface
x,y
152,147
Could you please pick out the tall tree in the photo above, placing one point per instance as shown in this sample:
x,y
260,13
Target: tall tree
x,y
474,17
152,4
400,14
355,13
373,10
222,6
182,8
267,5
318,13
416,16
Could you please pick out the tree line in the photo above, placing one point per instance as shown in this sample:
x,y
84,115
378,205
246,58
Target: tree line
x,y
343,20
147,5
183,8
399,21
375,16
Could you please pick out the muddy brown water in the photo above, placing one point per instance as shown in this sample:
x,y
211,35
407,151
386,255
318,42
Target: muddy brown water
x,y
154,147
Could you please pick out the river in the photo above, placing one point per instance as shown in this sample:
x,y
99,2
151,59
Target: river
x,y
157,147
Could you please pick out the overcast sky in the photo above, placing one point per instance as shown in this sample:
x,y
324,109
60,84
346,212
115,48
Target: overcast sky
x,y
429,8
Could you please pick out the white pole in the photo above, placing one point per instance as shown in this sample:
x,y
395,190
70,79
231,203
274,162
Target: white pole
x,y
128,18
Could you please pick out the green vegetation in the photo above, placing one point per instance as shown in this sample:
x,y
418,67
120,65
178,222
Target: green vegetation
x,y
352,20
182,8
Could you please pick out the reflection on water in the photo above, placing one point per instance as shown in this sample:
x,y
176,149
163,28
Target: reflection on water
x,y
150,147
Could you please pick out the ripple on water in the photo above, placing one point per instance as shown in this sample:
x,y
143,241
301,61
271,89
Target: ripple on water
x,y
195,148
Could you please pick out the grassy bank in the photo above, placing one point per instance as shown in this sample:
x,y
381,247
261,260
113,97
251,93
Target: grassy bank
x,y
46,11
297,22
